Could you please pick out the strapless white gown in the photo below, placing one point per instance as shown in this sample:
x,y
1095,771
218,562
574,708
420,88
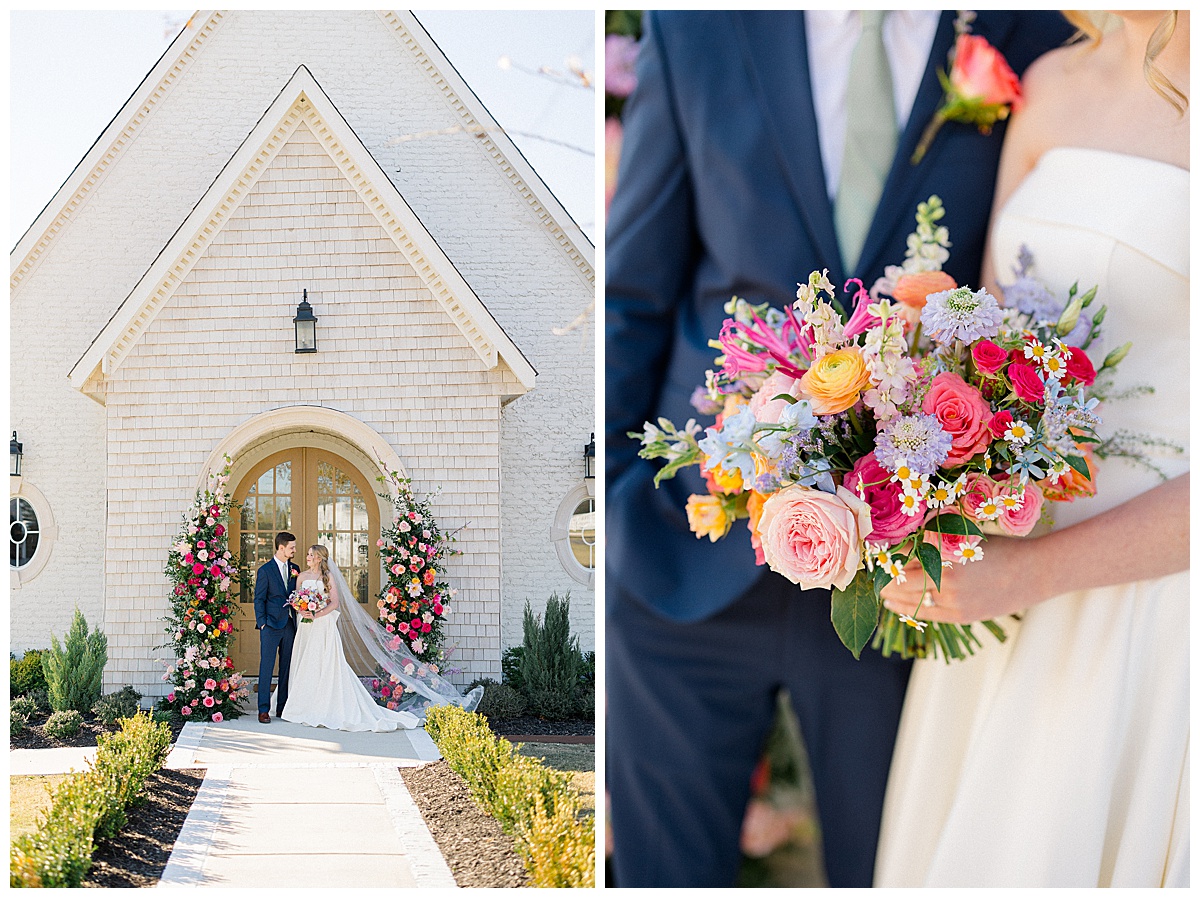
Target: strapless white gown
x,y
1061,757
324,691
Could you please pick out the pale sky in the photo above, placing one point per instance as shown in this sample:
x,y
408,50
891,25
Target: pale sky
x,y
72,71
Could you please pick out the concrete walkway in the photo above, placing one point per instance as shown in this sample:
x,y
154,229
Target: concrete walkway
x,y
289,805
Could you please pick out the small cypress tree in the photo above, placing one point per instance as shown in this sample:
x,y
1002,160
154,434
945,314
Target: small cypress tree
x,y
75,670
550,659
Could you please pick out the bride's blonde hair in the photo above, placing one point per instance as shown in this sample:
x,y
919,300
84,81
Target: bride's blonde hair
x,y
1088,29
323,555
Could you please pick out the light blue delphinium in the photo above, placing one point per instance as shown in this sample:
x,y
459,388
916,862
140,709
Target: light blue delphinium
x,y
797,418
727,447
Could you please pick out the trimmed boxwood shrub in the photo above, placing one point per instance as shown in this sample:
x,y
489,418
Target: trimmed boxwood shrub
x,y
88,806
117,705
63,724
26,675
536,805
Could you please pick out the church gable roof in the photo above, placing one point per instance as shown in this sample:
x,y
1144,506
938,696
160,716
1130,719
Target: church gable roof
x,y
301,103
190,46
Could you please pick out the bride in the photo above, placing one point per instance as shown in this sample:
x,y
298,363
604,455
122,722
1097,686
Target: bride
x,y
1060,758
324,689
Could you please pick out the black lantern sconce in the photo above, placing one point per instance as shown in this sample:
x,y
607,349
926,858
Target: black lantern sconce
x,y
306,326
589,459
15,455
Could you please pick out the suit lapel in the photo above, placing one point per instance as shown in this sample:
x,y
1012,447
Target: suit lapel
x,y
775,49
898,204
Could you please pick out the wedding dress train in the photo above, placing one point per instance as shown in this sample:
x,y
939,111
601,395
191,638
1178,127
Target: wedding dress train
x,y
1060,758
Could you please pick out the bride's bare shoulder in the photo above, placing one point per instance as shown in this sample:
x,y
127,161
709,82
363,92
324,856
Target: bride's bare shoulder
x,y
1056,91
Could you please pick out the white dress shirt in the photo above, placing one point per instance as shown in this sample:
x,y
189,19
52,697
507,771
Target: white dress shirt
x,y
831,37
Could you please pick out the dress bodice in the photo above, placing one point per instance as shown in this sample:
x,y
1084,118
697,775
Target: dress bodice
x,y
318,585
1118,222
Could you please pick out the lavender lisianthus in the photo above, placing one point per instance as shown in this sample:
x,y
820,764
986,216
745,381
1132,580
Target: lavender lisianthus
x,y
914,440
961,314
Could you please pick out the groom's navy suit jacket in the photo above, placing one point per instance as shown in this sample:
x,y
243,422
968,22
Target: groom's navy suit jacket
x,y
271,593
721,192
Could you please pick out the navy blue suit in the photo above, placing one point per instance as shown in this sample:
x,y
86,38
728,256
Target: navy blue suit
x,y
276,624
722,192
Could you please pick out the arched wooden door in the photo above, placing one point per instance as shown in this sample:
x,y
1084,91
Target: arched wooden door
x,y
321,498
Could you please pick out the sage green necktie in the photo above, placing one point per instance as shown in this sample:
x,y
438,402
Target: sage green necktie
x,y
870,139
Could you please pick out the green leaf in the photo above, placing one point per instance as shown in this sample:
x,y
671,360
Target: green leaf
x,y
931,561
855,611
786,397
882,579
954,525
1080,466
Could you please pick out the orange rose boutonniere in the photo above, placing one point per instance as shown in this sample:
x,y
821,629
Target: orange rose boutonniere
x,y
981,88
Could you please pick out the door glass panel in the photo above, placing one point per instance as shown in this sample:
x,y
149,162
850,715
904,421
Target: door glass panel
x,y
343,526
582,533
361,521
267,509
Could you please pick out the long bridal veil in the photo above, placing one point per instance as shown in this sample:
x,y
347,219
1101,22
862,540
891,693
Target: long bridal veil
x,y
414,685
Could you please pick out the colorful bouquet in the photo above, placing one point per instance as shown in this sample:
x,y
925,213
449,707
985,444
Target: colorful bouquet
x,y
307,603
903,433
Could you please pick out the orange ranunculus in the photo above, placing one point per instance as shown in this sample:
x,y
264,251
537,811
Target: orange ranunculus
x,y
912,289
707,517
834,382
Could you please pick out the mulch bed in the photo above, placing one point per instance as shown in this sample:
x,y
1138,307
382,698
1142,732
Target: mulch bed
x,y
137,855
33,736
479,853
528,725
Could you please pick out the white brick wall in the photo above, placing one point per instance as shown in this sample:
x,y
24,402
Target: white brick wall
x,y
220,351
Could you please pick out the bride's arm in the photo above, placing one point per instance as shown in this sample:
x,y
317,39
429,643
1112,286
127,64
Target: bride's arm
x,y
1143,538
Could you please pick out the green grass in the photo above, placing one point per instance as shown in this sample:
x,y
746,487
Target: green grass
x,y
28,798
578,760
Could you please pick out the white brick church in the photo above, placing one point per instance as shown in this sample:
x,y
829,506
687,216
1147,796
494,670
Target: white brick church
x,y
152,306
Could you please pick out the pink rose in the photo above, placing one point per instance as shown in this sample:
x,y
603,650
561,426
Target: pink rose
x,y
197,569
1000,423
1018,522
185,710
218,717
171,698
425,628
1028,386
210,683
874,484
814,538
947,542
1080,368
989,358
385,691
208,701
763,404
962,412
980,72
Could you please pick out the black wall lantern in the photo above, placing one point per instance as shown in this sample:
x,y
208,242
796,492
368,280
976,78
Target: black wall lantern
x,y
306,327
589,459
14,454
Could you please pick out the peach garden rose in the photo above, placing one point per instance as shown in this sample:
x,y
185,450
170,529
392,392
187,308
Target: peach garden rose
x,y
814,538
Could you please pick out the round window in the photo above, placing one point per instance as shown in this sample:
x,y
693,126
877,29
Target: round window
x,y
23,532
582,533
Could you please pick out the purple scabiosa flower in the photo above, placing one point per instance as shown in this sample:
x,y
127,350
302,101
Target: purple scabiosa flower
x,y
961,314
914,440
705,404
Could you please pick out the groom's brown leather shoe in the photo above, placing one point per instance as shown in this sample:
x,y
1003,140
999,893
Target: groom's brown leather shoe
x,y
264,717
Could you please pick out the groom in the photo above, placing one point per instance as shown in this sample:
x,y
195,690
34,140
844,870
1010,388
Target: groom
x,y
276,624
750,147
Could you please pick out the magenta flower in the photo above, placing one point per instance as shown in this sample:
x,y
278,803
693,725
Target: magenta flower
x,y
861,320
620,54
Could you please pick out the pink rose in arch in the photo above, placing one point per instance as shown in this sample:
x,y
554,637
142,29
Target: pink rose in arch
x,y
171,697
197,569
218,717
210,683
185,710
208,701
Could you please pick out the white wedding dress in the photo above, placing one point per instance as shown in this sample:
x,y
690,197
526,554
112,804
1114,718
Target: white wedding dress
x,y
1060,758
324,690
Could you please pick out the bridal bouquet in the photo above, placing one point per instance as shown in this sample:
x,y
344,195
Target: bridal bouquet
x,y
904,433
307,603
